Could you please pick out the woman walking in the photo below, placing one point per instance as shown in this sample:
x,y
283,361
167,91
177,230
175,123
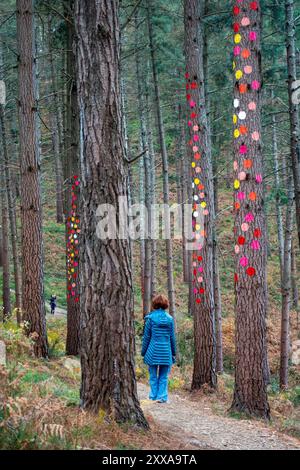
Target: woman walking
x,y
159,347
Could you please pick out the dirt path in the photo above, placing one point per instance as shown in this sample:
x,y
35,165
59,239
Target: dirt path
x,y
199,427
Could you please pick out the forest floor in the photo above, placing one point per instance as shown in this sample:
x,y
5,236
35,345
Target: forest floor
x,y
197,425
42,407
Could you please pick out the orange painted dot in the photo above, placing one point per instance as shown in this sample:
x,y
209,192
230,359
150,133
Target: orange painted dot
x,y
252,196
243,87
201,187
244,130
197,156
248,164
245,53
237,205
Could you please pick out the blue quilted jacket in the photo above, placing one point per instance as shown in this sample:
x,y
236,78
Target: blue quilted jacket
x,y
159,342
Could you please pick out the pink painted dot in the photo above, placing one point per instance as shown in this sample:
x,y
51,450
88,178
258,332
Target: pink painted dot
x,y
190,123
205,212
195,291
196,138
248,69
252,36
255,135
259,178
200,279
200,269
244,261
252,106
249,217
255,85
242,176
195,149
255,245
245,21
235,165
237,249
243,149
241,196
245,227
236,50
196,128
192,103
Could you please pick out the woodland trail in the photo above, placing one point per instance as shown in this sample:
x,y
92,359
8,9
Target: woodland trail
x,y
196,425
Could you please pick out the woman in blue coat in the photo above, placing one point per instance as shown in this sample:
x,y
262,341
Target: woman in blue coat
x,y
159,348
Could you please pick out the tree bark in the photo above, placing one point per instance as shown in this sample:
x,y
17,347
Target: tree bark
x,y
295,291
250,391
71,170
204,307
31,208
293,106
164,154
286,288
107,323
5,253
12,220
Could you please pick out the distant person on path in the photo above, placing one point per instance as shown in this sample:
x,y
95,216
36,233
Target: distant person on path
x,y
53,304
159,348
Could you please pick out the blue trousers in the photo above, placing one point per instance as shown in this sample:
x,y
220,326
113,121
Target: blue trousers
x,y
159,382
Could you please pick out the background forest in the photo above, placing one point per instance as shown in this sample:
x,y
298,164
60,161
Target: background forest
x,y
45,393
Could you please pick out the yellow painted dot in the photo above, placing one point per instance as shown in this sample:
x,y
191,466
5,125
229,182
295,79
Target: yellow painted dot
x,y
236,133
234,119
238,74
237,38
233,65
196,181
193,165
197,227
203,204
236,184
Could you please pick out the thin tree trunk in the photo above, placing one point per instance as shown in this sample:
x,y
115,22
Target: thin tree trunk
x,y
277,189
5,252
31,208
71,170
295,291
251,371
293,106
164,154
55,122
204,308
107,323
12,220
286,289
147,171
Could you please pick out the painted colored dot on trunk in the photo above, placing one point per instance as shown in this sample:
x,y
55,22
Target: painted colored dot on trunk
x,y
244,261
255,245
252,196
255,85
252,36
245,21
253,6
236,27
243,88
236,10
238,74
257,233
252,106
249,217
245,227
241,240
243,149
245,53
250,271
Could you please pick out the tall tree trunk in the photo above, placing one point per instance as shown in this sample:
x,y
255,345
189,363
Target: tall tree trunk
x,y
55,122
12,219
286,288
71,170
5,252
204,308
250,391
295,291
164,154
147,171
107,323
277,189
293,106
31,208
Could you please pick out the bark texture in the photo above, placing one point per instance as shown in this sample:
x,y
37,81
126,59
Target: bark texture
x,y
250,392
204,307
107,323
31,207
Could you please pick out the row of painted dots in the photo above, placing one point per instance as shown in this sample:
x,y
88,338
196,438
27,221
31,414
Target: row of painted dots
x,y
242,130
72,246
195,141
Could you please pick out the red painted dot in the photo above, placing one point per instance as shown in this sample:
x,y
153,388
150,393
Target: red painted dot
x,y
257,233
236,10
201,290
200,258
251,271
254,6
236,27
236,278
194,86
198,301
193,115
241,240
